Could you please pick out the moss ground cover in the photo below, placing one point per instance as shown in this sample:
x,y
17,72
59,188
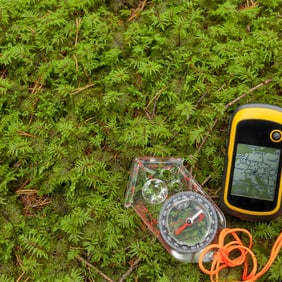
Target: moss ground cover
x,y
87,85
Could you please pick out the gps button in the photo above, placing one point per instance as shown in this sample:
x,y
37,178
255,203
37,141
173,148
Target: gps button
x,y
276,135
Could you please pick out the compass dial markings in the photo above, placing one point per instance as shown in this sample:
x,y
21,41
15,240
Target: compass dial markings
x,y
188,234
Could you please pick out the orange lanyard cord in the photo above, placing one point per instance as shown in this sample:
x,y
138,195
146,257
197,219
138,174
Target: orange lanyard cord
x,y
222,252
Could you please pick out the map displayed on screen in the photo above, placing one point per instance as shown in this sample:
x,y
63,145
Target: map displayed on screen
x,y
255,172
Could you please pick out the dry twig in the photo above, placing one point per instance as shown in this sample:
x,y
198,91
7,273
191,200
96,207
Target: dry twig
x,y
249,5
136,12
77,24
37,86
130,270
20,277
34,90
228,106
31,200
154,101
23,133
95,268
80,89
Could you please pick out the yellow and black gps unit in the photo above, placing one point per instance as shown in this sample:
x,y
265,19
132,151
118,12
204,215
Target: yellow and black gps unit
x,y
252,181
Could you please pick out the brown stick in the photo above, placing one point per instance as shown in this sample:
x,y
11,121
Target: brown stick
x,y
135,12
95,268
154,100
229,105
248,92
130,270
78,90
20,277
77,24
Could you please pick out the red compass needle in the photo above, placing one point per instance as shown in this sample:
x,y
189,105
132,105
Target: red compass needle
x,y
190,221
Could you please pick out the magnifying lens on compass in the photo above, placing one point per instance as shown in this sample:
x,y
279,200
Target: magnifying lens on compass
x,y
188,222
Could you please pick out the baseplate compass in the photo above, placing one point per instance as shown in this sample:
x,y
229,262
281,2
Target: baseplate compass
x,y
188,222
174,207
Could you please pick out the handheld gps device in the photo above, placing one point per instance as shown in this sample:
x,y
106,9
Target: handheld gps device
x,y
252,182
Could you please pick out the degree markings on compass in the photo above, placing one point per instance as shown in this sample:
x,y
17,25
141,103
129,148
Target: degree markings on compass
x,y
187,222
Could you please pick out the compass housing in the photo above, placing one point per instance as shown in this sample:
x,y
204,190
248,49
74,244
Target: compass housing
x,y
188,222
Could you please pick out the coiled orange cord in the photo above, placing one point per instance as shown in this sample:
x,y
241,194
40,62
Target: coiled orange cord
x,y
221,258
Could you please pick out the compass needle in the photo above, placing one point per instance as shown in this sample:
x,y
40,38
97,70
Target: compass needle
x,y
195,216
181,228
190,221
201,223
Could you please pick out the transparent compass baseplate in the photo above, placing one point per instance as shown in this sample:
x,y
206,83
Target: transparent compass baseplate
x,y
157,191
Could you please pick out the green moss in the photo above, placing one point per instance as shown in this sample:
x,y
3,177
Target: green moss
x,y
84,88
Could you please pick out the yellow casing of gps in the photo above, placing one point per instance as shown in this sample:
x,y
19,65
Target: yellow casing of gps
x,y
252,113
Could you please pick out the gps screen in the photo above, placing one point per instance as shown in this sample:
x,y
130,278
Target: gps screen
x,y
255,172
